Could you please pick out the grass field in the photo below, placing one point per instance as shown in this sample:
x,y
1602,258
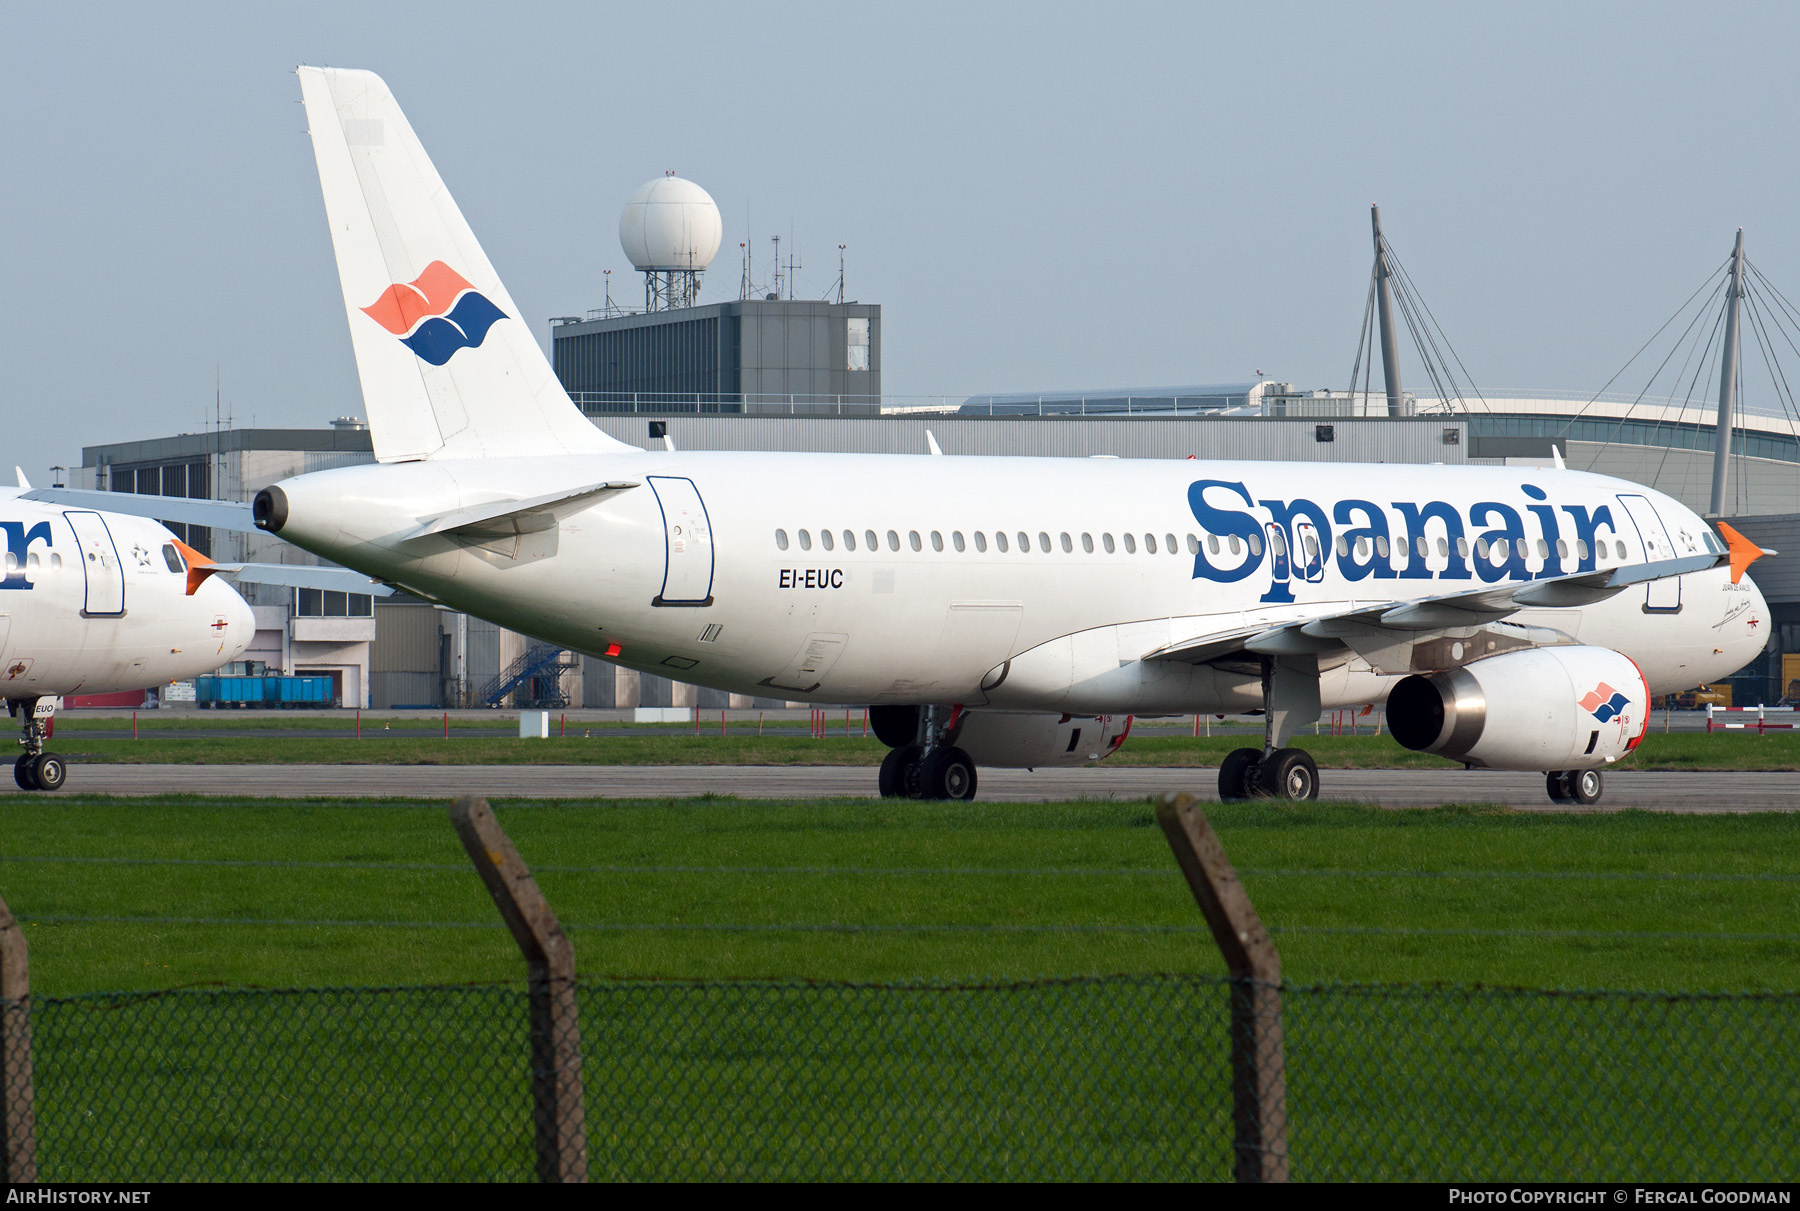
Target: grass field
x,y
423,746
241,893
911,1072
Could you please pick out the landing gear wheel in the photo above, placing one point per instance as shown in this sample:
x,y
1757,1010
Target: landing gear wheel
x,y
899,777
1586,786
1237,774
1556,782
50,771
1289,774
22,774
947,774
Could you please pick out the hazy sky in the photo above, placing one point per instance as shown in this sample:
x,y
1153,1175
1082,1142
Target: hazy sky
x,y
1039,195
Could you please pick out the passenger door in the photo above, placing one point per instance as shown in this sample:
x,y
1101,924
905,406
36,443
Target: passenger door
x,y
105,579
687,543
1660,596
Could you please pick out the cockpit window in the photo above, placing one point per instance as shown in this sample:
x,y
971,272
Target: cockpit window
x,y
172,557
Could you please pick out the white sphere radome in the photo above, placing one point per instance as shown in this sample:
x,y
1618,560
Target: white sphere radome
x,y
670,224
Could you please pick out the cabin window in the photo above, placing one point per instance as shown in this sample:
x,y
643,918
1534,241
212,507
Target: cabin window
x,y
1235,546
805,541
1025,542
1462,548
1150,543
1193,545
981,541
55,561
912,538
12,562
1422,546
825,539
1107,542
1087,543
849,540
32,561
1131,545
1443,547
937,541
1581,548
1278,542
1212,543
1481,548
1312,548
870,541
1170,541
893,541
956,539
172,558
1562,550
1362,548
1523,547
1620,546
1256,544
1044,542
1067,544
1343,546
1381,546
1000,540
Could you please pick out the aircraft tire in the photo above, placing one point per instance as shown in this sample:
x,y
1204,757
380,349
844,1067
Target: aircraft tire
x,y
49,771
1556,782
1289,774
1237,774
948,774
1586,786
899,776
22,774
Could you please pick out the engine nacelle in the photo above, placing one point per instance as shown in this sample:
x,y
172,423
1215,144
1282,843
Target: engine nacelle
x,y
1029,741
1562,708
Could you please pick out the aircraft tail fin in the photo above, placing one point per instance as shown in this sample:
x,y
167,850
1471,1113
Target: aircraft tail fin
x,y
449,367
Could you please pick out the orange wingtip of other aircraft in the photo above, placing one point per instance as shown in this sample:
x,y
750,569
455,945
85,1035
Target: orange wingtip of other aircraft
x,y
200,567
1743,552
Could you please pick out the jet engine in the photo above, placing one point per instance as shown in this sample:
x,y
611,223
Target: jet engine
x,y
1560,708
1029,741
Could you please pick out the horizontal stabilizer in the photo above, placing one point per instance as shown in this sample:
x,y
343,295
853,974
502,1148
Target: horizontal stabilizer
x,y
219,514
517,516
304,576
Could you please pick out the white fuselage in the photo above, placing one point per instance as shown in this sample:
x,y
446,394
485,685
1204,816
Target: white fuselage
x,y
686,575
93,603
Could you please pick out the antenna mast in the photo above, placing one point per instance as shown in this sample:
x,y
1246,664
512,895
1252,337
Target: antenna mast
x,y
1728,359
840,275
1390,354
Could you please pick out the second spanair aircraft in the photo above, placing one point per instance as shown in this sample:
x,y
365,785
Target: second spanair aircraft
x,y
1000,611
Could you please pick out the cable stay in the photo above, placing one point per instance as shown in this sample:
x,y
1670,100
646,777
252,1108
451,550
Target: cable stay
x,y
1390,285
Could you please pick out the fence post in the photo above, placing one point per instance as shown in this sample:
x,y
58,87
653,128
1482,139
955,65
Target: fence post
x,y
1258,1062
18,1130
556,1106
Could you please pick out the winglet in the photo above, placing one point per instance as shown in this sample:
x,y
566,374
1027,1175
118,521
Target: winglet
x,y
931,442
199,566
1556,453
24,484
1743,551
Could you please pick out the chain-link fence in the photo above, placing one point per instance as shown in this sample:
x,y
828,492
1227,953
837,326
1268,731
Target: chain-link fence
x,y
1126,1077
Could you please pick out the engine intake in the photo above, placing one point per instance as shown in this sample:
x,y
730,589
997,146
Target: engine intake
x,y
1562,708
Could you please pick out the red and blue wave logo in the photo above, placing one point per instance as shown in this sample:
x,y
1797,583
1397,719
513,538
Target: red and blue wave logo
x,y
435,314
1604,703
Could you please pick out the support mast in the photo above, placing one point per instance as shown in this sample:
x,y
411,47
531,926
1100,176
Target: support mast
x,y
1728,362
1390,355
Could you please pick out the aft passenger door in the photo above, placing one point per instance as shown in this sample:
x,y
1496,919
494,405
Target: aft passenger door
x,y
687,543
105,579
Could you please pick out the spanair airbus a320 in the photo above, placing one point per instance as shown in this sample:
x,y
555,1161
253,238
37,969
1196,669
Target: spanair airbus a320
x,y
96,602
998,611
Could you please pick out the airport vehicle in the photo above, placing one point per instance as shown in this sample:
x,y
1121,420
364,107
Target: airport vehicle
x,y
94,602
1006,611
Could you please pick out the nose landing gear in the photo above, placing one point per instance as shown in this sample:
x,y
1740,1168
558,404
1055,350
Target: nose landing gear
x,y
36,770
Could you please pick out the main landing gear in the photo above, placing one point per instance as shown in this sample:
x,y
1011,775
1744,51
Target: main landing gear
x,y
1583,786
929,767
1290,699
36,770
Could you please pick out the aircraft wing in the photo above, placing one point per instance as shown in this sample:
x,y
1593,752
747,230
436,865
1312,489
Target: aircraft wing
x,y
1428,633
219,514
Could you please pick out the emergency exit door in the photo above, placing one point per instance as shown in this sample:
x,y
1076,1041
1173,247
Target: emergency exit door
x,y
687,543
105,579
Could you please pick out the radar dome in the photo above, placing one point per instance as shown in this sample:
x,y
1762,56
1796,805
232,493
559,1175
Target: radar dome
x,y
670,224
